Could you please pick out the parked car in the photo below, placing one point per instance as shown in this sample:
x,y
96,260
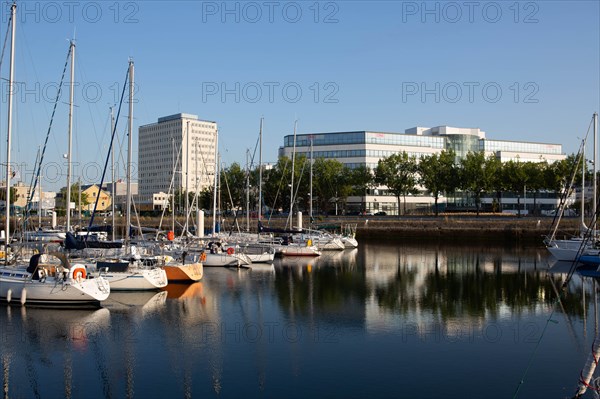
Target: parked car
x,y
567,212
380,213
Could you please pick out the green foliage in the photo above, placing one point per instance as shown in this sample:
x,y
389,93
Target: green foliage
x,y
205,198
13,195
75,195
558,174
438,174
179,198
399,173
479,174
331,183
277,180
360,180
233,187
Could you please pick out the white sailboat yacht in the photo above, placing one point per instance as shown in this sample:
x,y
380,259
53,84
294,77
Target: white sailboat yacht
x,y
43,282
126,272
570,249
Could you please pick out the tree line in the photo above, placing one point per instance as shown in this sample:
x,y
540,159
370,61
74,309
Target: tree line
x,y
400,175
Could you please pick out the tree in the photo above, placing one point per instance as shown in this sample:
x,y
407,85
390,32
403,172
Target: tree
x,y
233,187
478,175
535,181
13,195
274,181
399,173
558,175
438,174
277,180
360,180
330,183
75,195
515,179
179,198
205,198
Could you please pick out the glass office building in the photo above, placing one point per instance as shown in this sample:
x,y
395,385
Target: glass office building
x,y
366,148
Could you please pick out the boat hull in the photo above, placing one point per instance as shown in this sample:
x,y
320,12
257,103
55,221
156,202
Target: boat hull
x,y
292,250
591,260
16,287
262,258
588,270
137,279
184,273
224,259
350,242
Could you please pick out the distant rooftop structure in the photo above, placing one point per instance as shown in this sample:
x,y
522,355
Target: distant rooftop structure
x,y
179,116
445,131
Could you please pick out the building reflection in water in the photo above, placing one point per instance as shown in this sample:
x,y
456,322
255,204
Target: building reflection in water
x,y
456,286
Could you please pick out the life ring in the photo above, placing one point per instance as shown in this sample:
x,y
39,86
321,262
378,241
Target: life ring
x,y
79,273
230,251
203,257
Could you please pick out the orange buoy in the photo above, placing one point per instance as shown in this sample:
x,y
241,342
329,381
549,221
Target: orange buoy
x,y
230,251
79,273
170,235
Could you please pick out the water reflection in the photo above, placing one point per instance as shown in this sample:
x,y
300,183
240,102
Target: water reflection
x,y
266,331
43,343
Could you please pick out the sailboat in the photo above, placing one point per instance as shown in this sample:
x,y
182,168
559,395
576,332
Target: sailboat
x,y
292,244
571,249
247,244
132,274
43,282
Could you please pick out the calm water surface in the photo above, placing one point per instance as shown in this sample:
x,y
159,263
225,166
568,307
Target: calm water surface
x,y
380,321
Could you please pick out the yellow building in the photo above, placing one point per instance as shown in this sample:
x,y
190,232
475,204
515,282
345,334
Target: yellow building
x,y
91,193
20,190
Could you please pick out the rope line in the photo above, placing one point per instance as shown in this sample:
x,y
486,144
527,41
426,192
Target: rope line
x,y
36,176
537,345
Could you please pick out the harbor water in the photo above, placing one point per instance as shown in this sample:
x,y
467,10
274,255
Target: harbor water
x,y
402,321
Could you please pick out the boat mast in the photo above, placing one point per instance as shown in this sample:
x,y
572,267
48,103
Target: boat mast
x,y
216,177
173,193
310,194
112,161
187,180
129,156
39,193
11,92
290,217
583,169
260,170
595,153
247,190
79,198
197,183
70,139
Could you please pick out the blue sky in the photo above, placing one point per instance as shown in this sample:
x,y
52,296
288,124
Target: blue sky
x,y
518,70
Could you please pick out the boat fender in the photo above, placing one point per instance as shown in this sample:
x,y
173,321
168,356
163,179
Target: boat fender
x,y
42,275
79,273
23,296
230,251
